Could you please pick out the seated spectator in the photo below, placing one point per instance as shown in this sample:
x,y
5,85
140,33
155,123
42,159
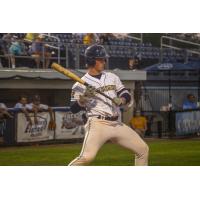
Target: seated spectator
x,y
103,39
17,48
36,107
139,123
30,37
38,50
23,106
190,103
133,63
6,42
4,114
89,39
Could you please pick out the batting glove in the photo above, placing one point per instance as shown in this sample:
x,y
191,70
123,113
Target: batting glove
x,y
119,101
90,91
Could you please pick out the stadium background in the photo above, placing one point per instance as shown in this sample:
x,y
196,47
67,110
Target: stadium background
x,y
168,62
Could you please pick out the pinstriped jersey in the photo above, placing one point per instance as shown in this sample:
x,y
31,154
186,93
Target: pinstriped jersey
x,y
109,84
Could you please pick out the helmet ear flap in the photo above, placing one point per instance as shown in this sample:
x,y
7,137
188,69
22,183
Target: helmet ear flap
x,y
90,61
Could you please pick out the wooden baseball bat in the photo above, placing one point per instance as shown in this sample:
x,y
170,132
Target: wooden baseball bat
x,y
74,77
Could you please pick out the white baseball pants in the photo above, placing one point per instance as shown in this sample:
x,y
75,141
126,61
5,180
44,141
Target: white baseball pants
x,y
99,131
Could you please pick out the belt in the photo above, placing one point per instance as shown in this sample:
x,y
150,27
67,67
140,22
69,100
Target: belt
x,y
108,118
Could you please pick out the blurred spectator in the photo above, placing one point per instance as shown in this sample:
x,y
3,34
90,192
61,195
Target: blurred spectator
x,y
4,112
6,42
36,107
30,37
17,48
190,103
133,63
89,38
38,50
139,123
103,39
23,106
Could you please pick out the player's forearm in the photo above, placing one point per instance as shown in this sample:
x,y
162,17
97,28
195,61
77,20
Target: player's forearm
x,y
35,111
7,114
26,114
50,113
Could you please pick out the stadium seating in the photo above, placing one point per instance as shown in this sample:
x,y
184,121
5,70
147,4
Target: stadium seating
x,y
119,50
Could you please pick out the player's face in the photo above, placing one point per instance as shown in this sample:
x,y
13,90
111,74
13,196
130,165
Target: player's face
x,y
23,101
100,64
192,98
37,102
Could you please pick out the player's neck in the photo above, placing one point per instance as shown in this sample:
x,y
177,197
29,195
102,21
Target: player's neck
x,y
94,72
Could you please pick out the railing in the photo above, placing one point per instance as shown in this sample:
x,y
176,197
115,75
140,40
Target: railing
x,y
122,35
77,51
170,39
73,54
51,46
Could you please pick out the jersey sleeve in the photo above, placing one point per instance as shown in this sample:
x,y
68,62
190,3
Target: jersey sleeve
x,y
43,106
121,90
29,106
17,105
3,106
119,84
77,91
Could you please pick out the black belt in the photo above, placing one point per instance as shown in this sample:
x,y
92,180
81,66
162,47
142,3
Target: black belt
x,y
108,118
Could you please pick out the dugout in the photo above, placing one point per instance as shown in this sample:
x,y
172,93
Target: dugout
x,y
53,87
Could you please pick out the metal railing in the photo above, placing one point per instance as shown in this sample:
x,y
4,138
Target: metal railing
x,y
52,46
72,53
76,51
171,39
27,54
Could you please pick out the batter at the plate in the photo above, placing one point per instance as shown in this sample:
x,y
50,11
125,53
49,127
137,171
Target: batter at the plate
x,y
103,114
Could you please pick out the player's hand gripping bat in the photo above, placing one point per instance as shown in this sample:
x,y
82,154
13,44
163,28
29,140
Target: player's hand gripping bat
x,y
76,78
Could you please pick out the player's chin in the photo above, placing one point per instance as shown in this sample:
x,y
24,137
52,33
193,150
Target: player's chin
x,y
101,68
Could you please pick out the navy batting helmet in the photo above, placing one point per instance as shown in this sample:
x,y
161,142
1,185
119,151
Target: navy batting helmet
x,y
93,52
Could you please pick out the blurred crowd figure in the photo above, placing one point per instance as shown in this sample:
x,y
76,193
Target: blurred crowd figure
x,y
39,49
4,114
133,63
190,102
34,106
33,44
37,46
139,123
17,48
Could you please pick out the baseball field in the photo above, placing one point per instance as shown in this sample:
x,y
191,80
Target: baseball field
x,y
185,152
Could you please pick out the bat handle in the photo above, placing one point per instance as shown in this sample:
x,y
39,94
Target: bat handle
x,y
105,95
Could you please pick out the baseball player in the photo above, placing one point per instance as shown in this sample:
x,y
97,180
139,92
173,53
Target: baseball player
x,y
103,114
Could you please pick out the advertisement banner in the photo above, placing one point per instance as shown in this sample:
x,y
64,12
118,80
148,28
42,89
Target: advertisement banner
x,y
187,122
69,125
34,132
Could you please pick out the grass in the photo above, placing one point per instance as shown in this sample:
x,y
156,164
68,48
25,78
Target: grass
x,y
162,153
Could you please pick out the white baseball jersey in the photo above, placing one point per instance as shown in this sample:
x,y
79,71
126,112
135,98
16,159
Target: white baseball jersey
x,y
2,105
40,106
109,84
20,106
